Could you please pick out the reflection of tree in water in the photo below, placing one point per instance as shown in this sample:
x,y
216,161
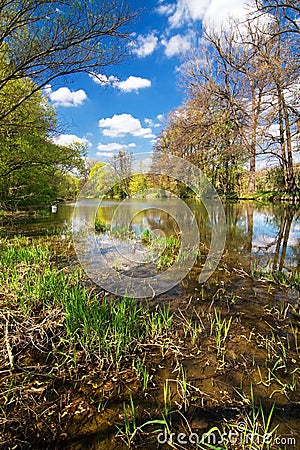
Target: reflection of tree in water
x,y
163,221
289,216
282,239
105,215
240,234
236,233
241,246
281,220
249,233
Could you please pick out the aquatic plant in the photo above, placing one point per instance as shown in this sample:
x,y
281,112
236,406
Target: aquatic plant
x,y
100,227
220,329
60,329
131,428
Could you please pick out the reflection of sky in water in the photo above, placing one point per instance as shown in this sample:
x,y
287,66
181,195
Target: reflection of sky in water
x,y
266,226
265,234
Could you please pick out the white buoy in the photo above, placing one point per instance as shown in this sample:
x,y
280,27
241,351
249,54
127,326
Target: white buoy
x,y
53,208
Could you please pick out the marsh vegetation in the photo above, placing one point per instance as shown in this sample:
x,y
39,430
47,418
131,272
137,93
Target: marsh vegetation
x,y
84,369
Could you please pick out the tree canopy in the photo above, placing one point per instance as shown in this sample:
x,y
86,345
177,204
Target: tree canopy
x,y
30,161
47,39
41,41
243,101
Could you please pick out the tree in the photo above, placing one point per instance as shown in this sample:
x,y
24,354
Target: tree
x,y
284,74
289,11
29,159
47,39
252,68
138,184
203,132
122,165
100,177
230,63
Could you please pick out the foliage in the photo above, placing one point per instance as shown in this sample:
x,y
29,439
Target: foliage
x,y
122,165
203,132
271,180
32,167
138,184
84,36
98,178
47,39
242,101
100,227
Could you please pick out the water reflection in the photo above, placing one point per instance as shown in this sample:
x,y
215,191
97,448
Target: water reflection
x,y
261,236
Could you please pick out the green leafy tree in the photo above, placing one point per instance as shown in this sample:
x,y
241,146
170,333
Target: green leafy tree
x,y
138,184
100,177
29,158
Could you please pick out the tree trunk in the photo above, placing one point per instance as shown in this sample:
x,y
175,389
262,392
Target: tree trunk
x,y
289,150
282,136
252,173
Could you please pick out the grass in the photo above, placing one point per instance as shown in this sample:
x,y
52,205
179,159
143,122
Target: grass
x,y
51,319
100,227
131,429
167,400
219,328
142,372
67,344
290,279
110,329
252,431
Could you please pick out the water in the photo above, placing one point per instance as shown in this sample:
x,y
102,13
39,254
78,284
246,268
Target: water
x,y
257,236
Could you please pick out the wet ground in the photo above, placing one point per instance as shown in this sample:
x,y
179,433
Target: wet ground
x,y
234,343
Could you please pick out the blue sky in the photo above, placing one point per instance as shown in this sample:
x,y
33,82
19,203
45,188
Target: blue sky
x,y
124,107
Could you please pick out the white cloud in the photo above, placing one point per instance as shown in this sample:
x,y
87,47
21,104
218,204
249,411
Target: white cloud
x,y
105,154
160,117
69,139
211,12
187,10
145,45
274,130
151,123
65,97
130,84
133,84
112,147
177,44
103,80
121,124
166,10
47,89
219,13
